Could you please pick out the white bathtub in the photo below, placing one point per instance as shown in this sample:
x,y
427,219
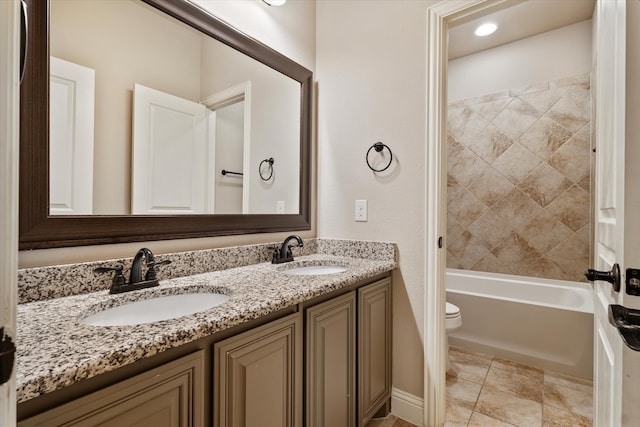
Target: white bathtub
x,y
539,322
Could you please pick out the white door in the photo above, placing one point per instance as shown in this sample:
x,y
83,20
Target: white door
x,y
9,124
170,154
609,104
71,113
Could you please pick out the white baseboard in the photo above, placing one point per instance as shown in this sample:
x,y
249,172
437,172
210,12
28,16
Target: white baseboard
x,y
407,406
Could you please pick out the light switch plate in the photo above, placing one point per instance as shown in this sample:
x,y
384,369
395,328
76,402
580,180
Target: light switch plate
x,y
361,210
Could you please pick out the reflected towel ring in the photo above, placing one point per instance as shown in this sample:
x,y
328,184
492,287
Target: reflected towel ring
x,y
270,161
379,146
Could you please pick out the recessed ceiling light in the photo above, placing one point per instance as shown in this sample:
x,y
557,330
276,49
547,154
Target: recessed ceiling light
x,y
486,29
275,2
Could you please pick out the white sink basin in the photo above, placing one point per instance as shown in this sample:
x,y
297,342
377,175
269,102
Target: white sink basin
x,y
313,270
155,309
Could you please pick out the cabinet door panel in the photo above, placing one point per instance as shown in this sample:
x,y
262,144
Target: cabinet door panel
x,y
374,348
331,363
258,378
170,395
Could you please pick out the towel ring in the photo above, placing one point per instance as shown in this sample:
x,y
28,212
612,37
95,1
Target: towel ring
x,y
270,161
379,146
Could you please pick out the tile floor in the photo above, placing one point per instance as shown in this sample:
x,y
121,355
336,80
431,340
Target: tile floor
x,y
389,421
491,392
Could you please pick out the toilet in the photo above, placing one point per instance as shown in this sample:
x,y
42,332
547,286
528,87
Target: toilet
x,y
453,322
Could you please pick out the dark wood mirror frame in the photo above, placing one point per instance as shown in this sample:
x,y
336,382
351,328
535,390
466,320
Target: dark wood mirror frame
x,y
38,229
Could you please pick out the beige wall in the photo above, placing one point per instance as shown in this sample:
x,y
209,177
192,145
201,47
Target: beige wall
x,y
547,56
275,101
125,44
371,75
289,30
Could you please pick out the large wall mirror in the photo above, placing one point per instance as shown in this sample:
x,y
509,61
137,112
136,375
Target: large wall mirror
x,y
163,122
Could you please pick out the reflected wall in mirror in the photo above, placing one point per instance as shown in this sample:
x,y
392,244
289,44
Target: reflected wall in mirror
x,y
107,157
155,131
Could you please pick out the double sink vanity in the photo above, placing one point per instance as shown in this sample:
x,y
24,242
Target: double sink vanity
x,y
227,339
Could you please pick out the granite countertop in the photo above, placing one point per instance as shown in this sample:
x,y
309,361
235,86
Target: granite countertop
x,y
55,350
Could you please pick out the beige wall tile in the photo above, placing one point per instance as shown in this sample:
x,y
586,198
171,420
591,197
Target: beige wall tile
x,y
542,101
489,110
516,118
573,159
491,264
516,163
572,256
570,208
516,209
466,208
544,137
489,143
466,167
490,187
573,110
490,229
515,251
545,232
513,203
544,184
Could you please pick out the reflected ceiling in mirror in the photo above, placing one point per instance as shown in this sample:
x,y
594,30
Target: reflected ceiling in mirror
x,y
147,113
269,196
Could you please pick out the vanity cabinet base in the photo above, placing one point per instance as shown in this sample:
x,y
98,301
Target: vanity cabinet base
x,y
170,395
259,376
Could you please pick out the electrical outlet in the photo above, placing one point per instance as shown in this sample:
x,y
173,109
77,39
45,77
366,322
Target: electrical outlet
x,y
280,207
361,210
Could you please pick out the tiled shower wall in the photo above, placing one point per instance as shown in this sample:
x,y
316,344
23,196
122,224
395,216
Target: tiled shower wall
x,y
519,165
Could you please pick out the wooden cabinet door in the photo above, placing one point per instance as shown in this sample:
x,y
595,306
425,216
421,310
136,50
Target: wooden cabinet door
x,y
330,364
170,395
374,348
258,376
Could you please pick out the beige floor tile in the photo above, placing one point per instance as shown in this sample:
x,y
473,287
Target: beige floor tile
x,y
389,421
568,381
382,422
509,408
576,401
457,414
469,366
523,386
462,392
556,417
402,423
480,420
518,368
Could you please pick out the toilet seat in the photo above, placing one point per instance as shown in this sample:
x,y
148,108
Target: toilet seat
x,y
452,310
453,319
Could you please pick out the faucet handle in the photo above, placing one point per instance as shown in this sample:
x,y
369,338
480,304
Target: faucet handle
x,y
118,277
151,271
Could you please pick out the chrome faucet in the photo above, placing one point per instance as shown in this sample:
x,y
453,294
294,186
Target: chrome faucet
x,y
136,280
284,254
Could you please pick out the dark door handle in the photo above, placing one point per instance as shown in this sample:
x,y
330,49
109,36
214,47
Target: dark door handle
x,y
612,276
7,356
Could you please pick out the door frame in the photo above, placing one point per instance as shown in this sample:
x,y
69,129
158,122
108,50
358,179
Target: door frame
x,y
9,148
440,17
221,99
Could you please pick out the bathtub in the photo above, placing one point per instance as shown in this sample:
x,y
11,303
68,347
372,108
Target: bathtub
x,y
538,322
